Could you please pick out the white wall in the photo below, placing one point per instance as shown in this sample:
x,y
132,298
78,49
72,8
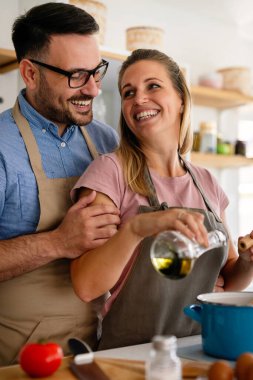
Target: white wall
x,y
8,82
198,37
193,36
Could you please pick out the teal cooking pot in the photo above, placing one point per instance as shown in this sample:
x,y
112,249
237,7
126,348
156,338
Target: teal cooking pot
x,y
227,323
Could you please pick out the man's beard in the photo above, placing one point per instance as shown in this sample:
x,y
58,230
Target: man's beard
x,y
45,105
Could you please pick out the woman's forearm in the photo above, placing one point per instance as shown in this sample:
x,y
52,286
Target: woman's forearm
x,y
98,270
238,275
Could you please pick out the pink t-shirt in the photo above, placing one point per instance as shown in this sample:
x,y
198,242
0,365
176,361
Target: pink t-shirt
x,y
106,176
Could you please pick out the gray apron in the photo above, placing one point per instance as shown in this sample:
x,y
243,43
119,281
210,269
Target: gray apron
x,y
151,304
42,304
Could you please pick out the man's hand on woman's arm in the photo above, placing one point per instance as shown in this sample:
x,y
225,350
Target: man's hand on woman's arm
x,y
82,229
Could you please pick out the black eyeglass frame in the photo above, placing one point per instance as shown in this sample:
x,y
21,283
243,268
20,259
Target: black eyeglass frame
x,y
70,73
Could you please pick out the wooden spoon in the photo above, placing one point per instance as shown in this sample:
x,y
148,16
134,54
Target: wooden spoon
x,y
244,243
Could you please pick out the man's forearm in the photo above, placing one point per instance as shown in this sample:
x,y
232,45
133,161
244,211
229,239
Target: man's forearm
x,y
82,229
25,253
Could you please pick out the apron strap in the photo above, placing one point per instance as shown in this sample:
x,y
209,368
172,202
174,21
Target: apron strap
x,y
53,193
91,146
197,184
30,142
153,200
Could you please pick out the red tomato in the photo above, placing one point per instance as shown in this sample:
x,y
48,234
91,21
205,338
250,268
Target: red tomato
x,y
40,359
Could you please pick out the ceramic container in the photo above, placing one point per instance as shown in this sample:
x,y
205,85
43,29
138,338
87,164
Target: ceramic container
x,y
237,78
98,10
144,37
212,79
227,323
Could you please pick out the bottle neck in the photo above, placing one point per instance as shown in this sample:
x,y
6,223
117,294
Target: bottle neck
x,y
216,238
164,343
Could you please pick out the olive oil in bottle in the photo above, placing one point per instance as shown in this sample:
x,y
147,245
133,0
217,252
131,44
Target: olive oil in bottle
x,y
173,267
173,254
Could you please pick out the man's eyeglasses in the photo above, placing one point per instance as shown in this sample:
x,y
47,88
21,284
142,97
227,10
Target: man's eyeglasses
x,y
79,77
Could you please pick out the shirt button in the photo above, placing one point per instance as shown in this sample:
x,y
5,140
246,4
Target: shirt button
x,y
63,144
43,130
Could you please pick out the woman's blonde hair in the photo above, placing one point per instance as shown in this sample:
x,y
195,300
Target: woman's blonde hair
x,y
129,151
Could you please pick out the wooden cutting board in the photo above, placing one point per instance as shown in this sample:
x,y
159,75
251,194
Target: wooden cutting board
x,y
114,368
136,369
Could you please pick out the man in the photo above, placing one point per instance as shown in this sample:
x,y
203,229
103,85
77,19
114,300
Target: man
x,y
43,150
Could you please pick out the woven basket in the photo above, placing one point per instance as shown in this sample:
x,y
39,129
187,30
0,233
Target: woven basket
x,y
144,37
97,10
237,78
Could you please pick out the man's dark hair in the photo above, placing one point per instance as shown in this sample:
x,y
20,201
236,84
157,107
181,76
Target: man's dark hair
x,y
32,31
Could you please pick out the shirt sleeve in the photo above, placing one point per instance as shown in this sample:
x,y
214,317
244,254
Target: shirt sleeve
x,y
2,186
221,196
104,175
212,189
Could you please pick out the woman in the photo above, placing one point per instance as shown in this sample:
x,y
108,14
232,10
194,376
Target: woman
x,y
147,173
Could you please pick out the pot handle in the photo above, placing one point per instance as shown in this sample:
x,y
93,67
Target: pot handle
x,y
194,312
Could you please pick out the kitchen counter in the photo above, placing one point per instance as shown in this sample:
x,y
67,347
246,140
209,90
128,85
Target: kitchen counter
x,y
188,348
122,363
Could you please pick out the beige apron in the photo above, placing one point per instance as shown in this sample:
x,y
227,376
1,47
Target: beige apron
x,y
151,304
42,304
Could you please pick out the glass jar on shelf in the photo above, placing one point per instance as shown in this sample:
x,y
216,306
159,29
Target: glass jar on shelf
x,y
208,137
240,147
196,142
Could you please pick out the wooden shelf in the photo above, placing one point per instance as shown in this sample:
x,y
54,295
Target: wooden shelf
x,y
8,60
219,161
201,96
112,54
220,99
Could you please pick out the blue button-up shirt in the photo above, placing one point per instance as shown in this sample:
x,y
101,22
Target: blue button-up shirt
x,y
62,156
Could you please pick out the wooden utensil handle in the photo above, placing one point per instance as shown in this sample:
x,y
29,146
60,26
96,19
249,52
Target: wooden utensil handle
x,y
245,243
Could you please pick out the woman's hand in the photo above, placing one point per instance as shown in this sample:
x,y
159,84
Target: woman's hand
x,y
189,223
219,285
